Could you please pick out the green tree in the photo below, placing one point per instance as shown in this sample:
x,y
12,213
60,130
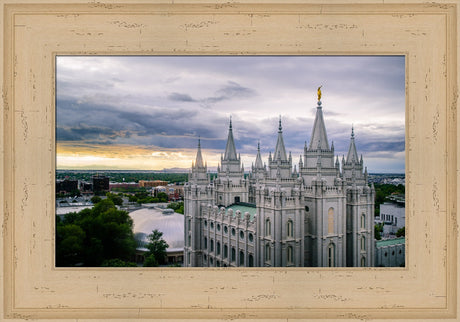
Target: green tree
x,y
401,232
150,261
132,198
162,197
116,199
378,229
157,248
177,207
69,245
117,263
95,199
94,236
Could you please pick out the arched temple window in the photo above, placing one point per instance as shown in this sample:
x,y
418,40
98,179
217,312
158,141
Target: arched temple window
x,y
363,221
331,255
363,243
290,255
290,228
268,227
267,252
330,221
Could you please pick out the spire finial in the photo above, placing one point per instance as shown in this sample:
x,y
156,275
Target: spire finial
x,y
319,93
199,141
352,131
258,146
230,126
280,128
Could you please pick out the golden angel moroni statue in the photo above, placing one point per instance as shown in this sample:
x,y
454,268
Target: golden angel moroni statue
x,y
319,92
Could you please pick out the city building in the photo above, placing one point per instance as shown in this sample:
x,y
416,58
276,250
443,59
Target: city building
x,y
174,192
100,183
319,215
86,188
153,183
123,185
66,186
392,215
390,252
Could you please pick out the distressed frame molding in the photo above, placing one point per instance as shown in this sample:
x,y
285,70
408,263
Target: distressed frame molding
x,y
34,33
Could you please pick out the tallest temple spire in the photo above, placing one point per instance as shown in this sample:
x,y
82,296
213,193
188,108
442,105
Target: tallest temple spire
x,y
319,135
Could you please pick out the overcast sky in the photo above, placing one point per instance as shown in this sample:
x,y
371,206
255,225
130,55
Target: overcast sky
x,y
147,112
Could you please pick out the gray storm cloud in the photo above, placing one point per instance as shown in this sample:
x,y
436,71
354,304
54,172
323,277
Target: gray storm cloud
x,y
171,101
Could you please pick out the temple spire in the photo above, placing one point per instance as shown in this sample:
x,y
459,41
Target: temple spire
x,y
319,135
259,164
199,157
230,150
352,153
280,150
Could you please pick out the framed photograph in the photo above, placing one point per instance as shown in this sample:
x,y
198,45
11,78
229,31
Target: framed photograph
x,y
36,34
155,116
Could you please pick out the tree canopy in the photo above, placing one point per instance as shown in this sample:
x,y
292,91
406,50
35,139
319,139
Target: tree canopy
x,y
116,176
95,236
157,249
378,230
177,207
145,197
401,232
116,199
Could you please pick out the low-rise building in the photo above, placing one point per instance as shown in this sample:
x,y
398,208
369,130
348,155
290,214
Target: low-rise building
x,y
174,192
392,215
168,222
153,183
124,185
390,252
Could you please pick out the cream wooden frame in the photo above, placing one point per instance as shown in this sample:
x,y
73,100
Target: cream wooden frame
x,y
33,32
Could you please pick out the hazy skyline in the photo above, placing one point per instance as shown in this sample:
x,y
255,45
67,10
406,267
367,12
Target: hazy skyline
x,y
147,112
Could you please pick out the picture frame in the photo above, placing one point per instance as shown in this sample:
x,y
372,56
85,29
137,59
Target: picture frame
x,y
34,33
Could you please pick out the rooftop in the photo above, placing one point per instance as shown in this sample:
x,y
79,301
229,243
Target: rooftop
x,y
243,209
389,242
171,224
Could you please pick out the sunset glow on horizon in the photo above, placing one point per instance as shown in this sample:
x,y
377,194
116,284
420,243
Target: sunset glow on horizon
x,y
147,112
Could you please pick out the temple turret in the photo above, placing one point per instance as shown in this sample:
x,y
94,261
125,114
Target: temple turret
x,y
352,154
258,164
280,167
280,150
198,174
352,168
230,150
230,184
